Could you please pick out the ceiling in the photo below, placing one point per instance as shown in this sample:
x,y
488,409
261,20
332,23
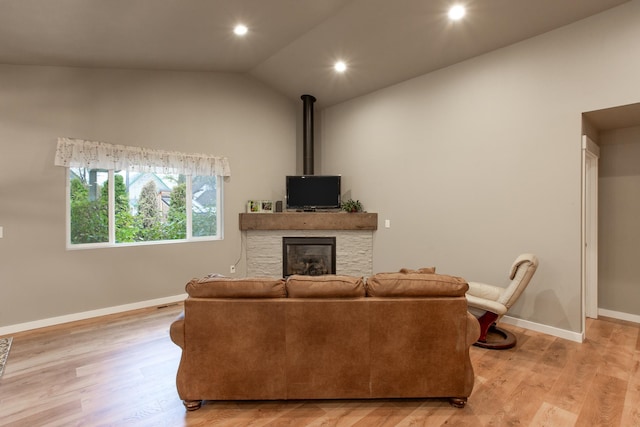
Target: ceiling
x,y
291,45
623,116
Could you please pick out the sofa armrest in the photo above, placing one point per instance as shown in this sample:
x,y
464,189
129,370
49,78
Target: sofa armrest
x,y
473,329
176,331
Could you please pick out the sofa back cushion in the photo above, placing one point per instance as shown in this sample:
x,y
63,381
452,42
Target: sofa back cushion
x,y
226,287
328,286
415,285
420,270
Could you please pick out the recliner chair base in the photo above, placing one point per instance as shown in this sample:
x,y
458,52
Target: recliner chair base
x,y
497,339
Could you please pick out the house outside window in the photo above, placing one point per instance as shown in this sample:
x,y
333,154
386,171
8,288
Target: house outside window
x,y
154,202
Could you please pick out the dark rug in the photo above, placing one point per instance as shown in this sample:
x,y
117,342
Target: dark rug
x,y
5,346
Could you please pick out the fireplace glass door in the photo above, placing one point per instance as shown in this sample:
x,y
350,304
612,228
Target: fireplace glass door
x,y
311,256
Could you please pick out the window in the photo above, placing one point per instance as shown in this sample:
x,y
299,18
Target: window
x,y
144,202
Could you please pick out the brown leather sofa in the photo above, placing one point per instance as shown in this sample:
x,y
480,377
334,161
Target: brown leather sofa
x,y
403,335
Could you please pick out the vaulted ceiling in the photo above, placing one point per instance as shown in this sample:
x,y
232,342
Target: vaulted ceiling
x,y
291,44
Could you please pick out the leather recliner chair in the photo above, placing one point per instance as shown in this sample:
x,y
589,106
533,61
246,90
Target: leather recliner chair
x,y
489,303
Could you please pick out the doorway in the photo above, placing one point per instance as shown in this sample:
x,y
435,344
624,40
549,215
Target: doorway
x,y
605,126
590,156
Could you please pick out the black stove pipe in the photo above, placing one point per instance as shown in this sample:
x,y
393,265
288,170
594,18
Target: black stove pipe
x,y
307,134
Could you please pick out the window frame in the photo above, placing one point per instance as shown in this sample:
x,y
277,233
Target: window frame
x,y
111,243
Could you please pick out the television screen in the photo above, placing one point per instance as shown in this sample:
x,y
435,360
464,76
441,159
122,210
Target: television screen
x,y
313,192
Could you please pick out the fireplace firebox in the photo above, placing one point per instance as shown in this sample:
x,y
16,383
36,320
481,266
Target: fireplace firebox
x,y
311,256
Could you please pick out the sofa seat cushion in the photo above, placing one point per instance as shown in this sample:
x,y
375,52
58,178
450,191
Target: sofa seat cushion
x,y
225,287
328,286
415,285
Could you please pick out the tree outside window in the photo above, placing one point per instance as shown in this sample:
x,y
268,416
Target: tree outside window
x,y
147,207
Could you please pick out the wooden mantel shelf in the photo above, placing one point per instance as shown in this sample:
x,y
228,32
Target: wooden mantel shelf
x,y
309,221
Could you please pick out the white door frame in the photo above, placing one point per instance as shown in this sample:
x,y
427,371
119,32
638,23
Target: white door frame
x,y
590,155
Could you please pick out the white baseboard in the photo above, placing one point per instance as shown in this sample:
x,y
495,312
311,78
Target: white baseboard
x,y
619,315
21,327
549,330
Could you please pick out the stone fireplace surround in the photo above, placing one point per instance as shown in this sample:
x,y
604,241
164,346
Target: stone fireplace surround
x,y
353,233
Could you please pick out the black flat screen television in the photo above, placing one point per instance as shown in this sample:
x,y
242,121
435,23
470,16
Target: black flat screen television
x,y
313,192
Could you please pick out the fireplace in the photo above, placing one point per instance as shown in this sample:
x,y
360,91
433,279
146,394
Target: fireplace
x,y
353,234
312,256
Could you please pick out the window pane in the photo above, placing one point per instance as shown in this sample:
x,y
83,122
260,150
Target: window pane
x,y
147,207
176,213
89,205
157,208
204,201
125,222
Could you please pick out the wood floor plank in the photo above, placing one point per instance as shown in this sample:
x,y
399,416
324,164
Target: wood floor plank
x,y
120,370
528,398
228,414
620,350
599,332
301,416
604,403
493,392
387,414
552,416
27,415
433,413
631,411
572,386
559,353
343,413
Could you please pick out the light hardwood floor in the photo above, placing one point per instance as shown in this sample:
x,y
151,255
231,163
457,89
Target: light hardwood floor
x,y
120,370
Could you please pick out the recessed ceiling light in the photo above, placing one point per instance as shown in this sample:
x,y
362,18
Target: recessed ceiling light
x,y
340,66
240,30
456,12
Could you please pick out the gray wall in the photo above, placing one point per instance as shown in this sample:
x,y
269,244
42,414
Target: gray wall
x,y
473,164
481,161
220,114
619,220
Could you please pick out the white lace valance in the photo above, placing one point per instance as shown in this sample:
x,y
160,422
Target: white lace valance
x,y
78,153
